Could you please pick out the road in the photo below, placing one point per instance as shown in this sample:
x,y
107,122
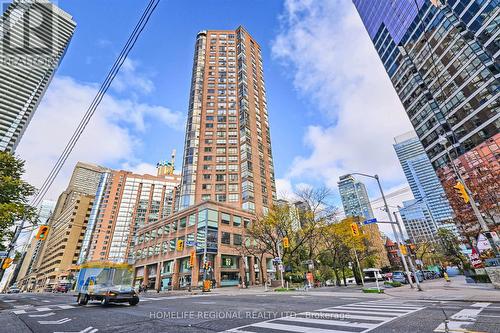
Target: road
x,y
261,313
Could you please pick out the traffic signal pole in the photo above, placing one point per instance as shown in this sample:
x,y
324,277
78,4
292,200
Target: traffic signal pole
x,y
12,244
409,256
479,216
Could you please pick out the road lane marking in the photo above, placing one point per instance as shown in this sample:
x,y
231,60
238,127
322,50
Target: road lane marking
x,y
54,322
89,329
463,318
43,309
10,300
480,305
43,314
350,318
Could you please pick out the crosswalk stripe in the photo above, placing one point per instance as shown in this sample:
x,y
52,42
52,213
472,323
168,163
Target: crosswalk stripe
x,y
374,308
363,316
292,328
19,311
384,314
328,322
43,309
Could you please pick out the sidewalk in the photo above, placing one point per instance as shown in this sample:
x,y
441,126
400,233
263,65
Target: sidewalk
x,y
456,290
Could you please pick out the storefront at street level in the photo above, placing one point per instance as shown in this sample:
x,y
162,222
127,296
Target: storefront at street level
x,y
163,249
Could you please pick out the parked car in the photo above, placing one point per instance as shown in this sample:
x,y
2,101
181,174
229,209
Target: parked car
x,y
13,290
62,288
420,276
399,276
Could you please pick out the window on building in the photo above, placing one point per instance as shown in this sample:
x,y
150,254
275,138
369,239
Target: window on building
x,y
236,221
236,239
225,238
182,222
225,218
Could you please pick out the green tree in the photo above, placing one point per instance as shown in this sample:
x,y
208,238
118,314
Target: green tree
x,y
14,194
449,247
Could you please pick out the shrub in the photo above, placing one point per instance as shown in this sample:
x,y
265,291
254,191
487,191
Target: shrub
x,y
481,278
373,291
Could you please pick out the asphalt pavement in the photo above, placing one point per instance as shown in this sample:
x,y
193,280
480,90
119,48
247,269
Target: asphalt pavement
x,y
260,312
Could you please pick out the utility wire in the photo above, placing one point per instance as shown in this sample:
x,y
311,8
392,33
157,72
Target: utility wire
x,y
138,29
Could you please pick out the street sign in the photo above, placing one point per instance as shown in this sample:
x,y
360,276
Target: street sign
x,y
191,243
3,254
370,221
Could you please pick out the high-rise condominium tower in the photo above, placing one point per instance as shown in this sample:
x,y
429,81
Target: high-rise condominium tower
x,y
354,197
442,59
227,155
34,36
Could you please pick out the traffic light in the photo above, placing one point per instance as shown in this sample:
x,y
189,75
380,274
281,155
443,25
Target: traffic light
x,y
286,243
42,232
355,229
460,190
6,263
192,258
180,245
402,247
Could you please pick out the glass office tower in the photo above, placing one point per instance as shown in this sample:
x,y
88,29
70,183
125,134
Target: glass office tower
x,y
442,59
430,209
34,36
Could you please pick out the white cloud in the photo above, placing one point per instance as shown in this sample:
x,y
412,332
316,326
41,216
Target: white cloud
x,y
141,168
325,47
130,80
110,138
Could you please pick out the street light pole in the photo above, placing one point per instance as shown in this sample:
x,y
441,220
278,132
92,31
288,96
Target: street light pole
x,y
409,256
394,231
403,260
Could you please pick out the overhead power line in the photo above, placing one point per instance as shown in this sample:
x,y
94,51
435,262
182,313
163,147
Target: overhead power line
x,y
138,29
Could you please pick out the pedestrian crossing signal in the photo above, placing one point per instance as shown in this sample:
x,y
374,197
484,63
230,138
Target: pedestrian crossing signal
x,y
42,232
355,229
180,245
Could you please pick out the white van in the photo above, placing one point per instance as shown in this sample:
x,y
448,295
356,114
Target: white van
x,y
372,274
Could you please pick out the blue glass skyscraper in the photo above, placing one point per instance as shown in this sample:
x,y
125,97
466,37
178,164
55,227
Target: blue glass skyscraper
x,y
442,57
430,210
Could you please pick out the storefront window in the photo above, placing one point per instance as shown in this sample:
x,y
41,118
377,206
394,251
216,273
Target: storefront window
x,y
229,262
168,267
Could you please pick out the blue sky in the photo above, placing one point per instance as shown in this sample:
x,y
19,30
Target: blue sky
x,y
332,108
